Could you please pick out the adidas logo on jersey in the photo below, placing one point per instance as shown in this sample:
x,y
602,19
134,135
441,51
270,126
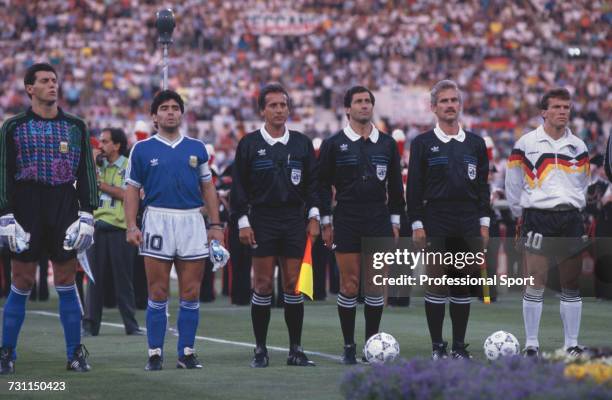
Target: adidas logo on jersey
x,y
261,152
154,162
344,147
435,149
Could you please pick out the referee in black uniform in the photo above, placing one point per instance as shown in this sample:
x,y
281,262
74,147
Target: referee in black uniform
x,y
274,192
448,199
363,165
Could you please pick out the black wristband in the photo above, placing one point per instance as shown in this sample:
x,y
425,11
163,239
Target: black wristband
x,y
216,224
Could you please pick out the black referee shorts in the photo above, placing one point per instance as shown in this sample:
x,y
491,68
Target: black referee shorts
x,y
352,222
553,233
45,212
279,231
452,226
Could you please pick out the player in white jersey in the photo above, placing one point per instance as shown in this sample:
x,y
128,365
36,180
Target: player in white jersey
x,y
546,184
173,171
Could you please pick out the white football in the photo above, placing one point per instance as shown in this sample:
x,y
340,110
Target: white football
x,y
381,348
501,344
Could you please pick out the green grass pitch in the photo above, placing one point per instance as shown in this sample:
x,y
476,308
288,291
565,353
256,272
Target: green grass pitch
x,y
118,360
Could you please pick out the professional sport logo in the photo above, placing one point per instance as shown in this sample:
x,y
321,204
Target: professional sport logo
x,y
381,171
344,147
261,152
472,171
296,176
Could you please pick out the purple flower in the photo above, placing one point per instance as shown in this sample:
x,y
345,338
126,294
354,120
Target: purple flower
x,y
509,378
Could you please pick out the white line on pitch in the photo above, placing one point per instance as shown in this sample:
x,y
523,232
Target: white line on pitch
x,y
206,338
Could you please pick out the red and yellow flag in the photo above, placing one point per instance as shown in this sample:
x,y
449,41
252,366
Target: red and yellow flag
x,y
305,280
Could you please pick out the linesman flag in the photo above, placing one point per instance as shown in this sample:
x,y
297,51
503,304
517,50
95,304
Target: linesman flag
x,y
305,280
486,297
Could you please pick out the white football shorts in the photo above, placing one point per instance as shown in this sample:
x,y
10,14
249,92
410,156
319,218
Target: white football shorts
x,y
169,233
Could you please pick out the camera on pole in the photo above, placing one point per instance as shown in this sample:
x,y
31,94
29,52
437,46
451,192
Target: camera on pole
x,y
165,26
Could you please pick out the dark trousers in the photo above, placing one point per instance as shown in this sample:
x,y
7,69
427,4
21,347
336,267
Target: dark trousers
x,y
240,258
603,254
110,250
207,288
141,291
320,259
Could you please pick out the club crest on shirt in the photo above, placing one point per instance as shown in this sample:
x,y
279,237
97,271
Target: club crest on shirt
x,y
381,172
63,148
193,161
296,176
472,171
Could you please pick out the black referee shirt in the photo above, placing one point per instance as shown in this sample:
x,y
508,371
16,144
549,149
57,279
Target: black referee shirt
x,y
447,170
279,175
362,171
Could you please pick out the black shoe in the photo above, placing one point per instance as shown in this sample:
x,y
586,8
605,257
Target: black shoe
x,y
87,329
155,362
298,358
531,352
189,360
350,354
87,333
137,332
261,359
78,362
439,351
7,364
575,351
460,352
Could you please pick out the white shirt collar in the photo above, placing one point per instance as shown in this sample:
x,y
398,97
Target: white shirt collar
x,y
272,140
351,134
444,138
543,136
167,142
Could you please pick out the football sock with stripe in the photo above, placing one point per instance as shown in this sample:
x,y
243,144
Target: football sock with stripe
x,y
459,309
13,316
347,309
532,313
294,317
187,324
435,308
570,307
156,323
70,315
372,312
260,316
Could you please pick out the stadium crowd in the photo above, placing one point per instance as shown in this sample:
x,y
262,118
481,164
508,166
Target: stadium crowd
x,y
503,55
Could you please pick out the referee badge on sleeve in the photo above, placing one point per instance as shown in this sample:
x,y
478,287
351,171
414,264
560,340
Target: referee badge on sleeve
x,y
193,161
381,172
472,171
296,176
